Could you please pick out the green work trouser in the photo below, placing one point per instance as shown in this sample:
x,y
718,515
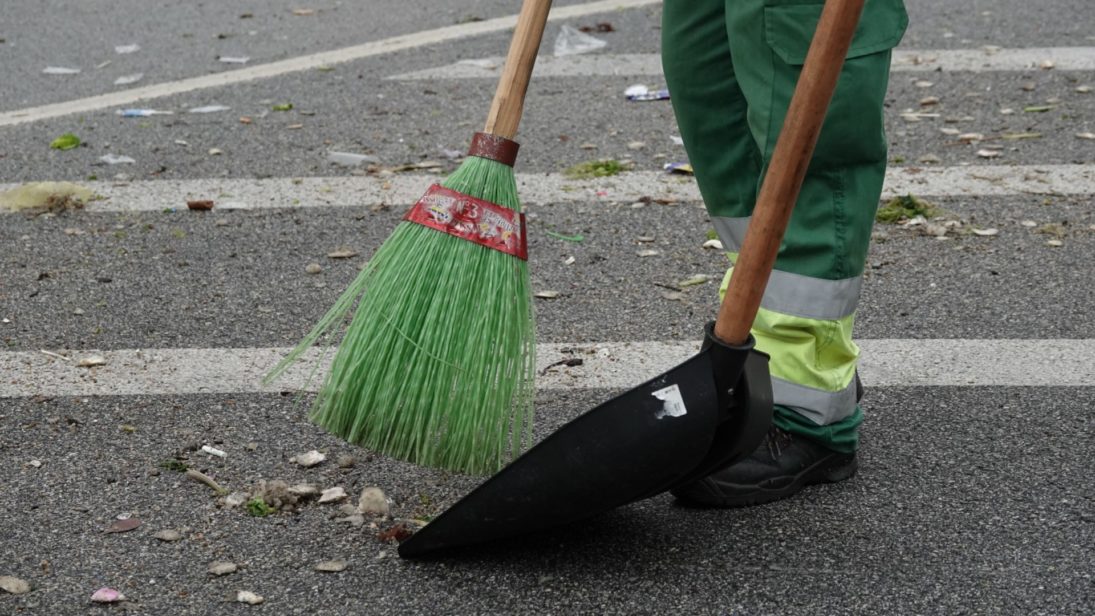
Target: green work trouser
x,y
731,67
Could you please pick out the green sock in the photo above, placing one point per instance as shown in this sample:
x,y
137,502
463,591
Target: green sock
x,y
842,436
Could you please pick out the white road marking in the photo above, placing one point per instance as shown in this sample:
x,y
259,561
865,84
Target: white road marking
x,y
613,365
904,60
303,63
400,191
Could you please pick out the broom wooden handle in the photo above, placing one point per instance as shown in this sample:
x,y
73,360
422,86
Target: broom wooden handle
x,y
509,98
794,149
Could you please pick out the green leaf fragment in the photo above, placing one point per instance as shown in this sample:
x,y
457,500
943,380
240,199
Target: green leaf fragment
x,y
1038,108
66,141
595,169
283,107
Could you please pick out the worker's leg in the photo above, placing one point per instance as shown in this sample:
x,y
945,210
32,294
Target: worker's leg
x,y
806,316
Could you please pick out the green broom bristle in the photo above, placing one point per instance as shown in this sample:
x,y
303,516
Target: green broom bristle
x,y
437,365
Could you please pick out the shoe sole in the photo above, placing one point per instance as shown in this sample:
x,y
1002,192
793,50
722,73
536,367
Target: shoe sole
x,y
777,488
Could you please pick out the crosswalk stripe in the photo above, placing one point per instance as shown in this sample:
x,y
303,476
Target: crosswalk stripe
x,y
608,365
904,61
402,190
304,63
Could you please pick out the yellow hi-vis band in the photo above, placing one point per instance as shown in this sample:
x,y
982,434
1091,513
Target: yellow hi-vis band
x,y
813,361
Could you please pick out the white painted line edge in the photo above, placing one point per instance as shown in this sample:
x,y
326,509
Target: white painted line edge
x,y
649,64
403,190
610,365
302,63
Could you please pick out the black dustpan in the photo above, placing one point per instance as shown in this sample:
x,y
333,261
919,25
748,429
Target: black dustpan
x,y
687,422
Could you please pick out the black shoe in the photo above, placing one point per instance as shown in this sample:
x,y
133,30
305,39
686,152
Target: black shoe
x,y
781,466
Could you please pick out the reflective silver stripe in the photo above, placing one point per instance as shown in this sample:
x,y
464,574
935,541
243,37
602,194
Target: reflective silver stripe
x,y
820,407
795,294
731,231
811,298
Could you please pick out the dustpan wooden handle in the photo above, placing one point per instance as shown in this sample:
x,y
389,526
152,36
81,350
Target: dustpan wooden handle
x,y
509,98
787,168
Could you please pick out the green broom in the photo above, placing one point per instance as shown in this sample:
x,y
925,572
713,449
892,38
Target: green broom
x,y
437,366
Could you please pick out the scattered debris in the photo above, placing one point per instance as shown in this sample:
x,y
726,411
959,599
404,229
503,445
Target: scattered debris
x,y
107,595
679,168
60,70
986,232
332,495
234,59
214,451
571,41
1052,228
259,508
1083,89
220,567
594,169
207,480
310,459
14,585
342,253
112,159
141,113
168,535
304,12
1055,243
209,109
570,363
124,49
282,107
546,294
399,532
373,502
313,268
174,465
692,281
642,93
276,495
331,566
46,197
650,252
91,361
200,205
304,490
602,26
123,525
236,499
346,461
248,597
1020,136
1089,136
65,142
126,80
986,153
347,159
215,151
715,244
1038,108
904,208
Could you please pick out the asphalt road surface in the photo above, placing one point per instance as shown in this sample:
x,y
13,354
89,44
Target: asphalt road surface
x,y
975,489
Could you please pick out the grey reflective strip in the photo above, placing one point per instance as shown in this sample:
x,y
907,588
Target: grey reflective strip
x,y
795,294
731,231
820,407
811,298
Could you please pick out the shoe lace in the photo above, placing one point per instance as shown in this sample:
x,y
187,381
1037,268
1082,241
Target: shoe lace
x,y
777,440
